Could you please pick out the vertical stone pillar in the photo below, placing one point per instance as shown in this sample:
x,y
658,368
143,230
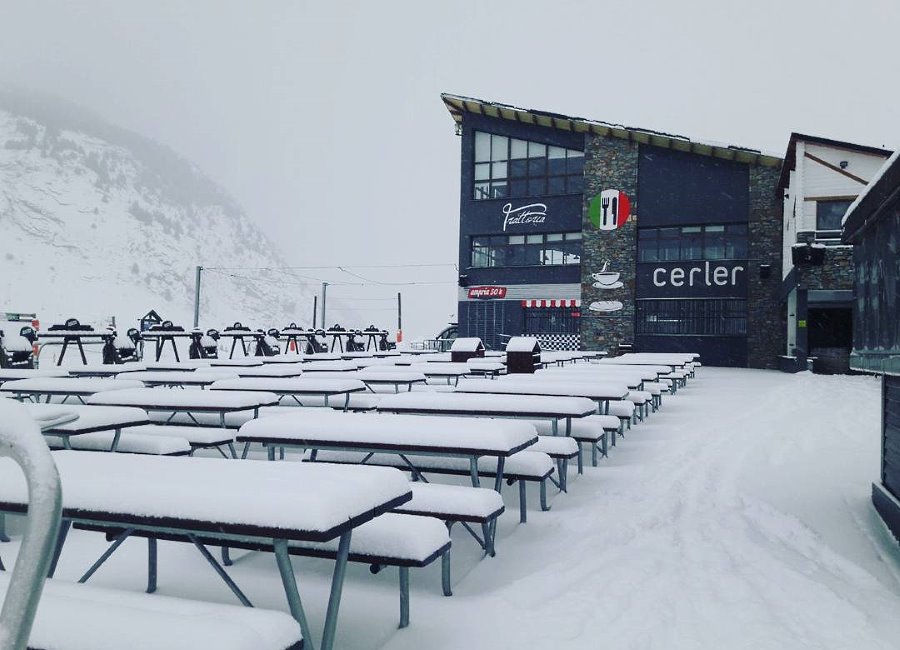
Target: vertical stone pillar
x,y
610,164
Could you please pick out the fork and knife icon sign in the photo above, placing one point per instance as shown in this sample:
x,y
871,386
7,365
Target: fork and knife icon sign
x,y
609,216
609,210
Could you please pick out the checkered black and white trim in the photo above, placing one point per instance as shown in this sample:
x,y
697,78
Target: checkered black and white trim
x,y
558,341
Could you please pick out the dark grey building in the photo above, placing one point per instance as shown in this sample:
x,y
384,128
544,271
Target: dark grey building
x,y
594,235
872,225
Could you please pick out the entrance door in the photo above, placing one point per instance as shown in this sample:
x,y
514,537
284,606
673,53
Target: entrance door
x,y
830,339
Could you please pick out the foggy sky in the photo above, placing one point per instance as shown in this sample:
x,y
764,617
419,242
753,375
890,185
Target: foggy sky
x,y
324,119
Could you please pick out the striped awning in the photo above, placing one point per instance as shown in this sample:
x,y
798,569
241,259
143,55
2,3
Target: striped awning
x,y
551,303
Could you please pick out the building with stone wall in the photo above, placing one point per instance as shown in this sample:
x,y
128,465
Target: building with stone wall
x,y
600,236
819,180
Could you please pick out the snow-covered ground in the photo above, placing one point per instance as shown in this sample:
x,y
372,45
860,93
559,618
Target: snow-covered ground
x,y
736,517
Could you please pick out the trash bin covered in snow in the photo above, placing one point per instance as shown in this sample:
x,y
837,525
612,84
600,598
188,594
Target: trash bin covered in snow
x,y
464,349
523,355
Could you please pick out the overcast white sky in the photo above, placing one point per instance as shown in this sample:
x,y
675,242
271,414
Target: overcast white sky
x,y
324,119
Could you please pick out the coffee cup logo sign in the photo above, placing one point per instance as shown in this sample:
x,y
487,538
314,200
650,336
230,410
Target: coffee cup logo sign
x,y
609,210
531,213
487,292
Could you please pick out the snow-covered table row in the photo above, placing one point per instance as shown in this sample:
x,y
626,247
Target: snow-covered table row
x,y
600,392
78,387
275,503
189,402
295,388
491,405
89,419
396,434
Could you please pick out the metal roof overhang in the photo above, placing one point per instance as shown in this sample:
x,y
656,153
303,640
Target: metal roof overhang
x,y
458,105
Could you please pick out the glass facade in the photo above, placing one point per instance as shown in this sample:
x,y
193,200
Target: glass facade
x,y
546,249
510,167
551,320
698,317
707,242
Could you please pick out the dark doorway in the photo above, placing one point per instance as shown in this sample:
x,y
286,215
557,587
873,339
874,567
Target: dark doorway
x,y
830,339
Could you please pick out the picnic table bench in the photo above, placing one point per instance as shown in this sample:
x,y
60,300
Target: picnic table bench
x,y
65,387
160,335
443,370
87,420
12,374
152,378
492,405
186,402
105,369
203,499
295,388
381,376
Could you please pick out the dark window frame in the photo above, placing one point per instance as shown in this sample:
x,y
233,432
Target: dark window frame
x,y
675,243
551,320
831,230
501,248
533,181
691,317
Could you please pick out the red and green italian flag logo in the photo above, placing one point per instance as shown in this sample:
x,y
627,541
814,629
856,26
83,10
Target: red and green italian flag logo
x,y
609,210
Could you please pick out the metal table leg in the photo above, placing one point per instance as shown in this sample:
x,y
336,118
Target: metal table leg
x,y
337,587
289,581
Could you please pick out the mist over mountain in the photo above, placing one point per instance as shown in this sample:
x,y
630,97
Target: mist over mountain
x,y
97,221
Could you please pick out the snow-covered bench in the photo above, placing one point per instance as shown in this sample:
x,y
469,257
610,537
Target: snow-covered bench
x,y
111,420
391,539
454,504
65,387
128,443
600,392
80,617
562,450
522,467
196,437
594,430
295,387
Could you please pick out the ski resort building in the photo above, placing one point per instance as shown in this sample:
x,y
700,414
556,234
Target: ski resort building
x,y
592,235
819,180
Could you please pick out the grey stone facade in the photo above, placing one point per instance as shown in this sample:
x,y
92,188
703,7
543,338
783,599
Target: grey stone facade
x,y
610,163
836,272
766,315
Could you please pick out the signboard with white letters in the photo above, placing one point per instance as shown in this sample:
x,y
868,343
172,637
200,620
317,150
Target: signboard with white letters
x,y
692,279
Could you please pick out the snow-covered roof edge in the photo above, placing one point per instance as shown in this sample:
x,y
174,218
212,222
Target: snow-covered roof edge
x,y
868,203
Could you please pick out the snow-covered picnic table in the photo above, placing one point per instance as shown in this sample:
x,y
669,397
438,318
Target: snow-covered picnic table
x,y
630,376
12,374
294,387
533,407
240,361
490,367
204,498
394,434
600,392
161,335
76,336
90,419
271,370
336,365
186,365
200,377
381,375
188,402
78,387
105,369
443,370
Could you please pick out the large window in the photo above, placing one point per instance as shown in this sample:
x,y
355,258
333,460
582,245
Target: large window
x,y
709,242
509,167
550,249
551,320
828,218
709,317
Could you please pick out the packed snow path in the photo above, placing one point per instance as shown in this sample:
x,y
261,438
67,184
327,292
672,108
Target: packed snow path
x,y
736,517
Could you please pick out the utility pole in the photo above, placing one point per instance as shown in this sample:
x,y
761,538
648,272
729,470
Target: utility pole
x,y
197,297
324,293
399,319
315,305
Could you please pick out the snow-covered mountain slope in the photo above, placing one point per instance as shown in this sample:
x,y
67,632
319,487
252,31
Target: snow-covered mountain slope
x,y
96,221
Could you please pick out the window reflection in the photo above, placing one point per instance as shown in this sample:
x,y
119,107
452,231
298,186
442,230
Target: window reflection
x,y
551,249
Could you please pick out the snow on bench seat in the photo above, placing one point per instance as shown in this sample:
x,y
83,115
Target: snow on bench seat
x,y
594,430
84,617
453,502
556,446
129,443
521,467
489,404
599,391
391,538
78,386
196,436
176,377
